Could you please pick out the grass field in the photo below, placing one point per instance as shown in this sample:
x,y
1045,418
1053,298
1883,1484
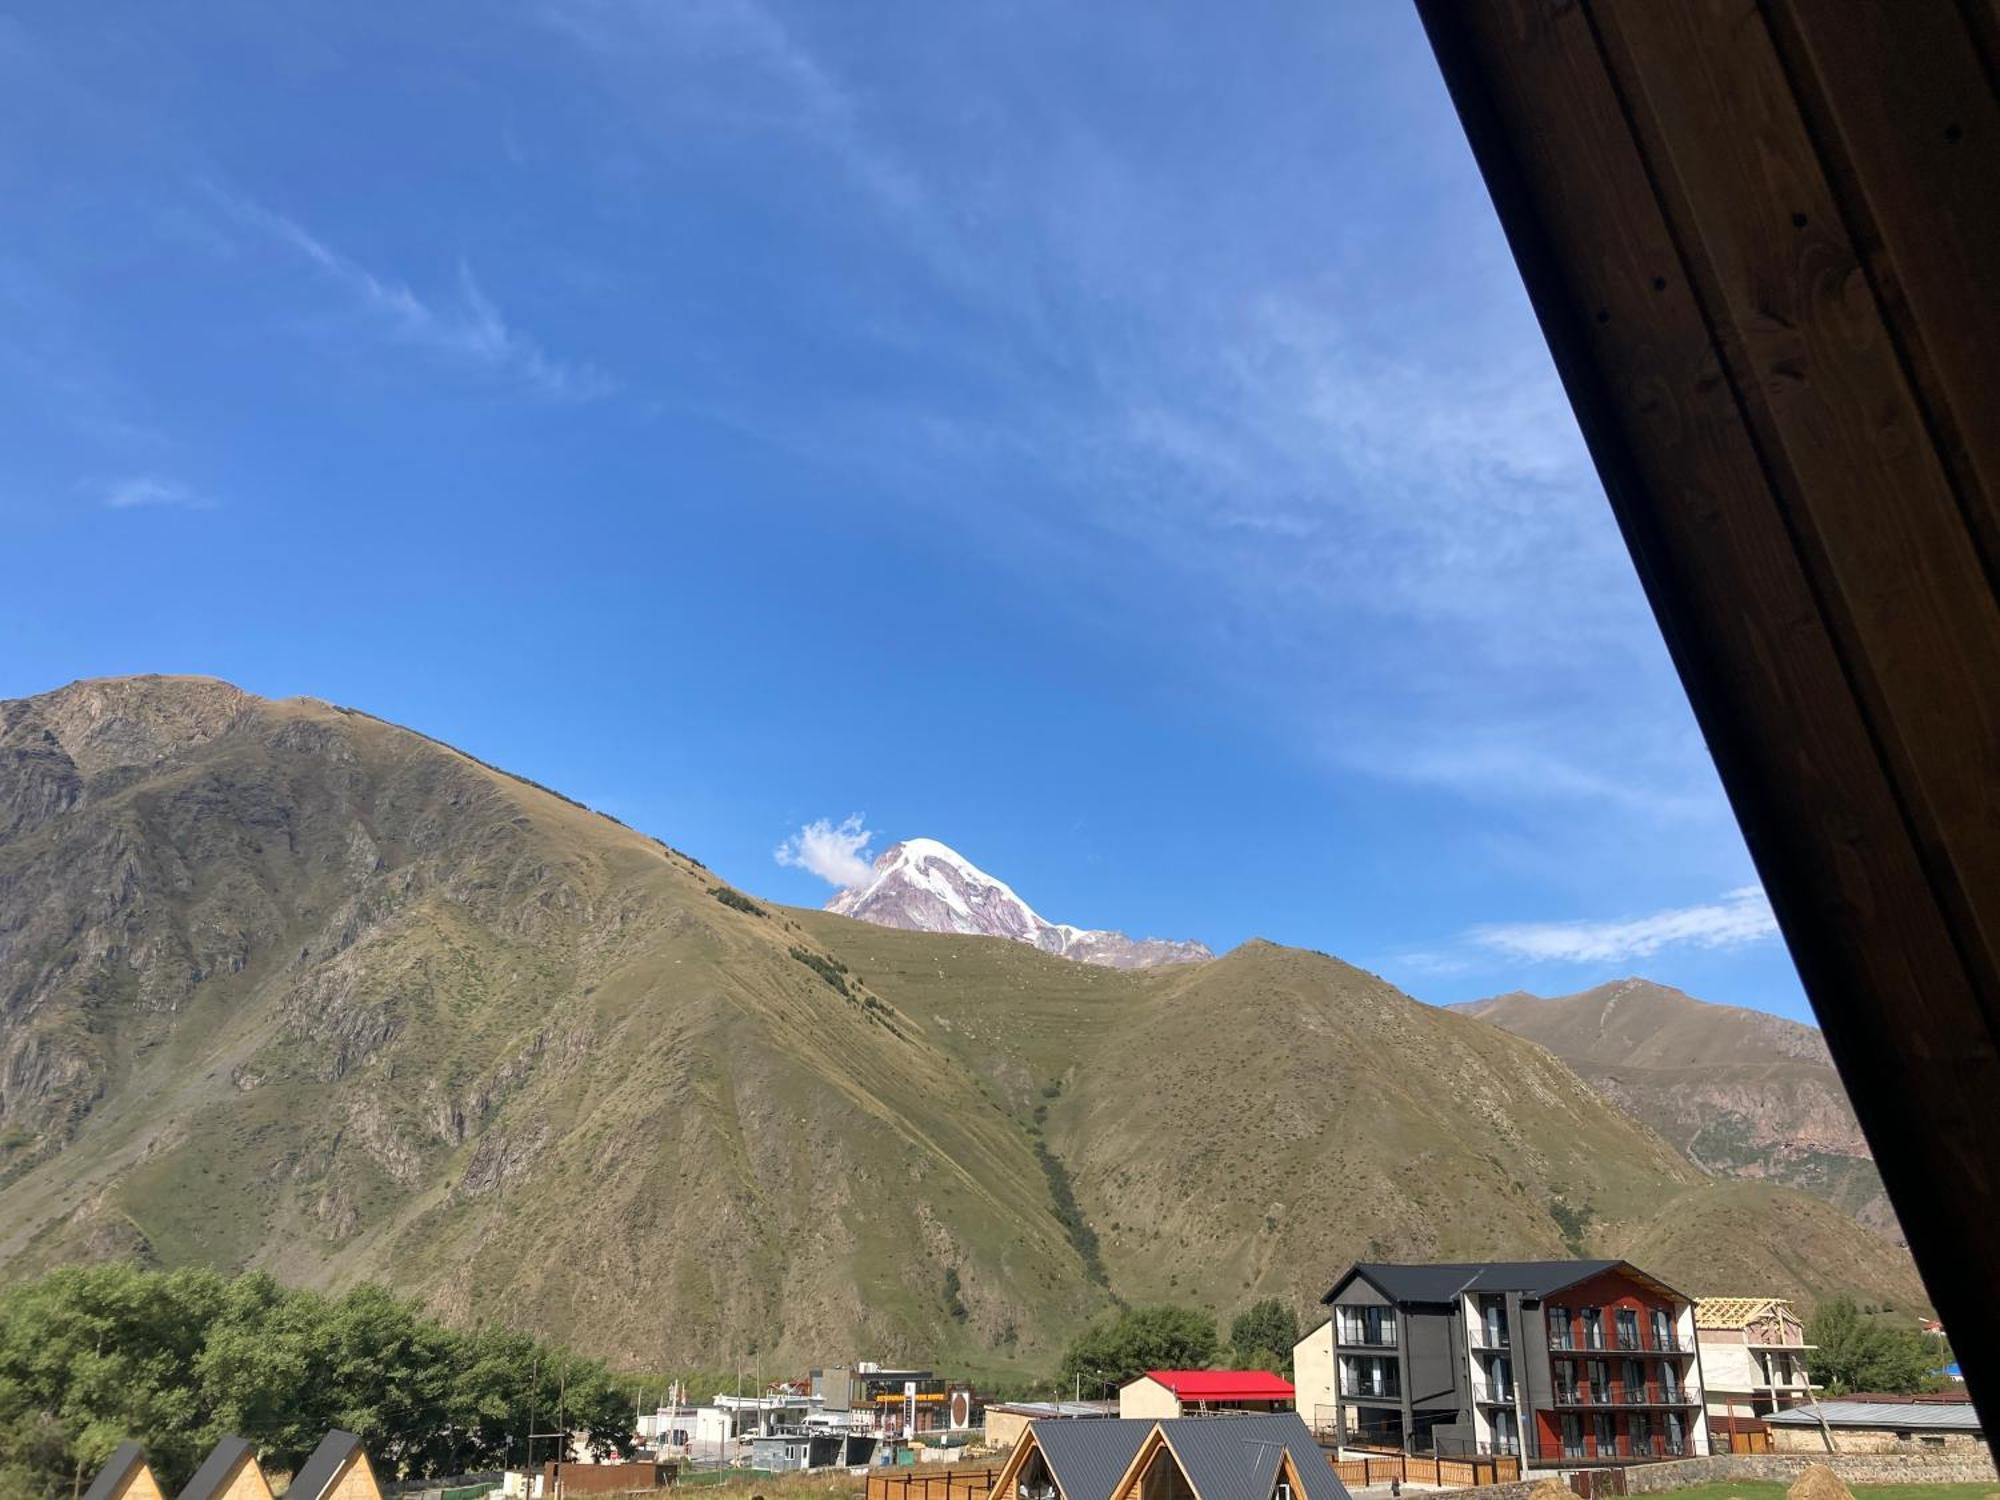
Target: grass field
x,y
1764,1489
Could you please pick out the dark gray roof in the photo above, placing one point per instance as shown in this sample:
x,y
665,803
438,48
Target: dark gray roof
x,y
1089,1458
1936,1416
318,1472
124,1459
1236,1458
215,1469
1442,1281
1226,1457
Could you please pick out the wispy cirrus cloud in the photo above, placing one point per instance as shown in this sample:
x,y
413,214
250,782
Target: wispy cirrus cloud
x,y
469,331
1741,917
143,491
836,852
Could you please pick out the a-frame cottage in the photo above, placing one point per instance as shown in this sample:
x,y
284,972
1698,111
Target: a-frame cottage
x,y
337,1470
1182,1458
125,1476
230,1472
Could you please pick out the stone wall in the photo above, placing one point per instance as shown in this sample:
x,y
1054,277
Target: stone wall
x,y
1936,1466
1918,1443
1932,1467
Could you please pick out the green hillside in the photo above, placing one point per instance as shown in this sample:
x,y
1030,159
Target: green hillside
x,y
284,986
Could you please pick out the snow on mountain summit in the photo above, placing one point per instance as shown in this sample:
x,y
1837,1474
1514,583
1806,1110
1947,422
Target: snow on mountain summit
x,y
922,885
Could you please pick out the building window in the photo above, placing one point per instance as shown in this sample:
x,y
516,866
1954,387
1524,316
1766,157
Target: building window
x,y
1635,1381
1500,1378
1593,1328
1566,1381
1600,1382
1572,1435
1642,1433
1559,1329
1367,1325
1603,1434
1676,1434
1369,1376
1663,1333
1628,1328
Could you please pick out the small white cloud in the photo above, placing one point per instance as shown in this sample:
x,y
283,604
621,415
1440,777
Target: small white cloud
x,y
1741,917
141,490
836,852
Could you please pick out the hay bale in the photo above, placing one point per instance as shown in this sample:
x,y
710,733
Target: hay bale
x,y
1551,1489
1818,1482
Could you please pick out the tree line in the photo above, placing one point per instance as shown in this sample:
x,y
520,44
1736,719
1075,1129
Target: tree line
x,y
93,1355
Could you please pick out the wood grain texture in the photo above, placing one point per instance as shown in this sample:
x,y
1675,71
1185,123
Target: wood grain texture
x,y
1795,449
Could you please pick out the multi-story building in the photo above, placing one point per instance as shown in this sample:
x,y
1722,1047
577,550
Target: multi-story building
x,y
1753,1357
1560,1362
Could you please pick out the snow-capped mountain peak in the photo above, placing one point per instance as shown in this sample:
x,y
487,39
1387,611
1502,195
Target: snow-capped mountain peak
x,y
925,886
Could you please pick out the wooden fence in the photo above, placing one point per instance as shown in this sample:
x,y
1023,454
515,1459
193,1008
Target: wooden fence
x,y
1745,1442
1453,1473
956,1482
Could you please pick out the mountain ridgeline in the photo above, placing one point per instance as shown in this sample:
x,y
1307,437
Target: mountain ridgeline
x,y
286,986
1741,1093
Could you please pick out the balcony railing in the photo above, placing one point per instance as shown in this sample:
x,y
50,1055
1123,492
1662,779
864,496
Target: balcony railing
x,y
1563,1341
1624,1395
1487,1338
1497,1395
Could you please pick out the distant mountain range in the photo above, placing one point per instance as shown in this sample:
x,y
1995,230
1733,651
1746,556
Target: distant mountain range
x,y
921,885
1743,1094
283,985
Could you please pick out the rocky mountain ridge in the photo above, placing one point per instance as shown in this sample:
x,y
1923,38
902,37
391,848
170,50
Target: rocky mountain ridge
x,y
1744,1094
921,885
285,986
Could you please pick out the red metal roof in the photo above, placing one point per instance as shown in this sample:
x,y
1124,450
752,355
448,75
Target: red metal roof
x,y
1224,1385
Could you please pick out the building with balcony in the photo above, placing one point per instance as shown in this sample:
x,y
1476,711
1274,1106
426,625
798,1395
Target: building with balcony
x,y
1753,1358
1558,1362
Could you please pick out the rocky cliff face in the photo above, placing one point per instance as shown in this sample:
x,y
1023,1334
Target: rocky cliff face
x,y
921,885
1744,1094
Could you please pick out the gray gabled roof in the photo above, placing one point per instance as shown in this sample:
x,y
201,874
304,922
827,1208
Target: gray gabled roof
x,y
1236,1457
215,1469
319,1471
1089,1458
124,1459
1225,1457
1935,1416
1443,1281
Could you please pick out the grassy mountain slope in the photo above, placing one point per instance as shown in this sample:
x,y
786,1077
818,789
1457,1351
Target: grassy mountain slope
x,y
287,986
1743,1094
283,985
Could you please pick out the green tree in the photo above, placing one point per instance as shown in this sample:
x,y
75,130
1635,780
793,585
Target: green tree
x,y
1857,1353
1262,1336
1109,1353
90,1356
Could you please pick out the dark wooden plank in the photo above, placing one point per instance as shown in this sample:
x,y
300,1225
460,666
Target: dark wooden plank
x,y
1845,443
1760,624
1906,125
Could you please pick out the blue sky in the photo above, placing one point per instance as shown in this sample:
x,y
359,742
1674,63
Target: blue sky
x,y
1111,439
